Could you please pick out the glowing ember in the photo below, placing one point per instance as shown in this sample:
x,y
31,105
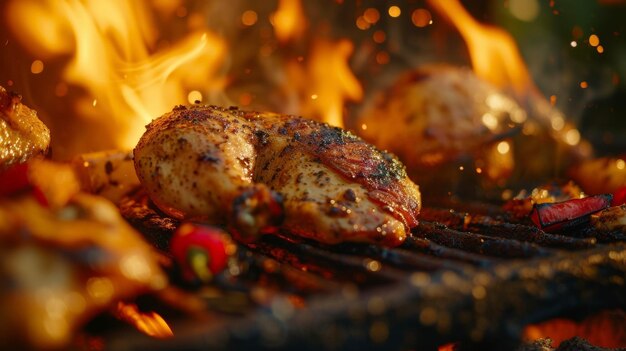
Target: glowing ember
x,y
421,18
503,147
394,11
371,15
447,347
36,67
150,323
606,329
379,37
249,18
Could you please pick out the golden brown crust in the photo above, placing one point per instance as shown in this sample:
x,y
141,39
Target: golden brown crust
x,y
22,134
335,186
440,113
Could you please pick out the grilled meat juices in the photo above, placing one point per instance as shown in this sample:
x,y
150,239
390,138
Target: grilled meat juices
x,y
256,171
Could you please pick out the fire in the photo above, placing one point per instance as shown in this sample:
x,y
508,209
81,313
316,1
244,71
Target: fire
x,y
494,54
113,53
322,81
606,329
121,67
496,59
289,21
325,81
151,323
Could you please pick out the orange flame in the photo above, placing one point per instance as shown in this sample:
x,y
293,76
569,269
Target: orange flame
x,y
494,54
496,59
112,46
151,323
289,21
325,82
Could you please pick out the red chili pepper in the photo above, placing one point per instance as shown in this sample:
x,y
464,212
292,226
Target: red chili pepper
x,y
552,217
619,197
200,251
14,180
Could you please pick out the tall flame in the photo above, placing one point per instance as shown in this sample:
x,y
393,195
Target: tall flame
x,y
289,21
493,52
496,59
323,81
112,45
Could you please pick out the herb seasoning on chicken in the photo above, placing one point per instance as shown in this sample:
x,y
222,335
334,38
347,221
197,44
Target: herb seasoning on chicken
x,y
257,171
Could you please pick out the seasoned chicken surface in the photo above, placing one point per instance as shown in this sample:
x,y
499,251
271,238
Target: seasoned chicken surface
x,y
459,134
612,219
22,134
238,168
439,114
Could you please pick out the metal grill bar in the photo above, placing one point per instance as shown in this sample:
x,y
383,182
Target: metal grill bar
x,y
465,277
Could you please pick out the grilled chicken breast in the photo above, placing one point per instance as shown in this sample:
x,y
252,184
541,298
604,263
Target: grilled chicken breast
x,y
459,134
443,112
22,134
239,168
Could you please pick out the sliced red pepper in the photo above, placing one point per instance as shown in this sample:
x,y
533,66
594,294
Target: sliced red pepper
x,y
552,217
200,251
14,180
619,197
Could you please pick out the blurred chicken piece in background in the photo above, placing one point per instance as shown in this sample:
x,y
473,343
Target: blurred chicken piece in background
x,y
65,256
22,134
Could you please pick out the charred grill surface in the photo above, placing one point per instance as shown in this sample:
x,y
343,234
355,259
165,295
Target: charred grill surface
x,y
473,278
491,226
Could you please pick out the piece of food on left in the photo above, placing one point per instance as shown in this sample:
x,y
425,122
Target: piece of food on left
x,y
256,172
22,134
65,256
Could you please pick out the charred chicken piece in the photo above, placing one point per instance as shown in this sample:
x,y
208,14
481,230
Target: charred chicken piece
x,y
22,134
612,219
239,168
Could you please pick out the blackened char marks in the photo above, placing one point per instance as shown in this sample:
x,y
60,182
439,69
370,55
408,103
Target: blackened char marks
x,y
262,137
379,172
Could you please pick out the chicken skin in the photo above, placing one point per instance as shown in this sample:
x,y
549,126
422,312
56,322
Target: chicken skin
x,y
22,134
254,172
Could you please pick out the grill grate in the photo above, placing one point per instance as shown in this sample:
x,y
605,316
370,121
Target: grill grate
x,y
477,278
